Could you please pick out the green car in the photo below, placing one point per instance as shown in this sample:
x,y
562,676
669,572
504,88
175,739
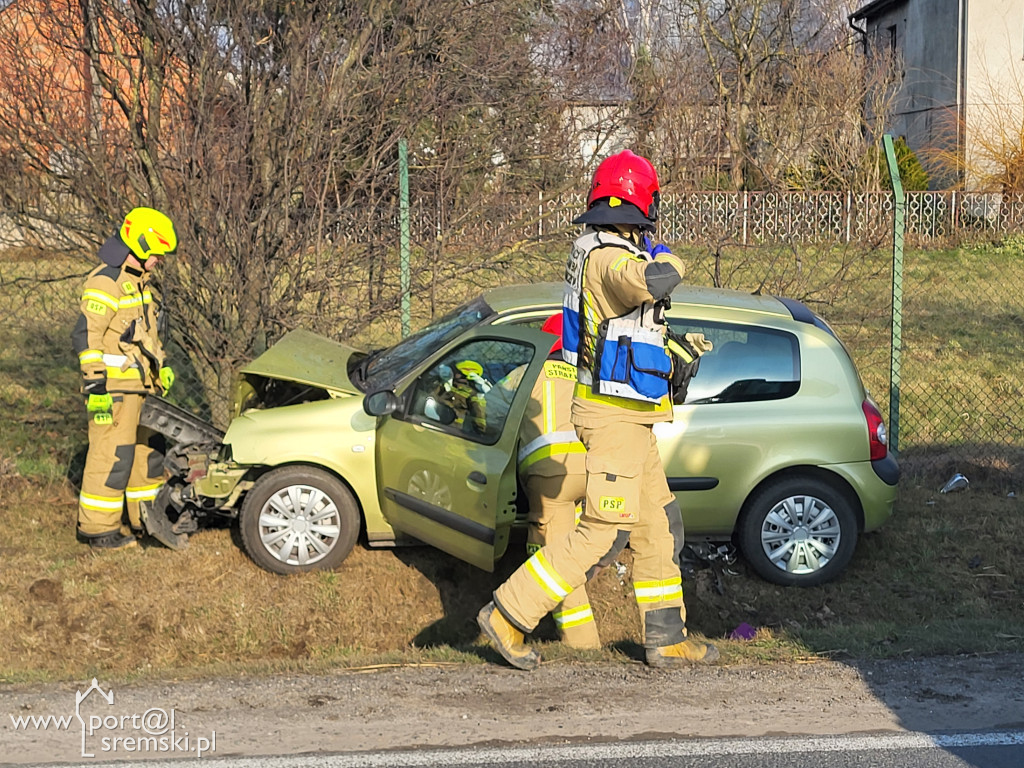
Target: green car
x,y
778,448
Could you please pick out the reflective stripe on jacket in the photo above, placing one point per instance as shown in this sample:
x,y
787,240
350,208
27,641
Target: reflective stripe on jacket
x,y
115,336
547,438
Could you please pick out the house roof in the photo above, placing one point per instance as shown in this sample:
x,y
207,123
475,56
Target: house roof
x,y
873,8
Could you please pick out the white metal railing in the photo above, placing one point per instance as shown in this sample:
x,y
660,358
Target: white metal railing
x,y
751,218
741,218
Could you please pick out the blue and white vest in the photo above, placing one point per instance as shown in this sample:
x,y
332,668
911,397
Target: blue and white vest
x,y
622,356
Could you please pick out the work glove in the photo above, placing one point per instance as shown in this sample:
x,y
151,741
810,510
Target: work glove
x,y
686,351
166,378
653,249
699,343
480,382
99,401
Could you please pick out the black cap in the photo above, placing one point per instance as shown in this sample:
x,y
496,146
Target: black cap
x,y
114,251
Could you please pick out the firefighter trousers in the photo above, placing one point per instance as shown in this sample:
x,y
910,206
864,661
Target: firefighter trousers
x,y
627,495
124,465
553,507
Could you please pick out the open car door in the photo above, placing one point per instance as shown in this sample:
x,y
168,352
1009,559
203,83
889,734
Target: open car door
x,y
446,460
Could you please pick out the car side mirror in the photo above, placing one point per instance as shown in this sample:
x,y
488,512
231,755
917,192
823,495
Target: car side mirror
x,y
380,403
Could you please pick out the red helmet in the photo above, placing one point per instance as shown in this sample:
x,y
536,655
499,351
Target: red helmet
x,y
623,178
553,325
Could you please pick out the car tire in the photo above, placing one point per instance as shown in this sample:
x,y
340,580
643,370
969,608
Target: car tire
x,y
798,531
297,519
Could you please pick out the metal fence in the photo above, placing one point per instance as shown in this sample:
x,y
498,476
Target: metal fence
x,y
754,218
962,383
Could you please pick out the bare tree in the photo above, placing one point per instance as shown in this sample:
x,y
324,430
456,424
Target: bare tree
x,y
269,132
777,82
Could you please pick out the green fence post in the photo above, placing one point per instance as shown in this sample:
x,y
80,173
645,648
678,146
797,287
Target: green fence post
x,y
898,228
403,184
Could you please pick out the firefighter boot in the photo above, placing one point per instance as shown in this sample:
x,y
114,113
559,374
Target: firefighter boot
x,y
506,639
682,654
108,540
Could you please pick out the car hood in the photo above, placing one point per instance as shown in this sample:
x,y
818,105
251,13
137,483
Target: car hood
x,y
307,358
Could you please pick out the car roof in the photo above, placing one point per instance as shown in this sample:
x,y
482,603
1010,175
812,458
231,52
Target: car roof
x,y
519,297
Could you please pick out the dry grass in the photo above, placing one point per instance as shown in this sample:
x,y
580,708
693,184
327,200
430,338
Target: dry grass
x,y
947,575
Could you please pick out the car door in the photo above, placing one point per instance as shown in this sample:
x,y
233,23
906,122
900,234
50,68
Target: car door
x,y
446,465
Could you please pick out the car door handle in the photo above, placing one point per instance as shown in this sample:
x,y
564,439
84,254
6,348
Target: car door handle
x,y
478,477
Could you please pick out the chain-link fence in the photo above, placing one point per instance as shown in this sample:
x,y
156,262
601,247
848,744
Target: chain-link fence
x,y
961,405
962,379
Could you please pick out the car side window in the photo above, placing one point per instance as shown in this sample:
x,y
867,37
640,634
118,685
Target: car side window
x,y
747,364
470,390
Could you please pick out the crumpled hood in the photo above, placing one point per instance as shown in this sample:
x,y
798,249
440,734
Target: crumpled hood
x,y
307,358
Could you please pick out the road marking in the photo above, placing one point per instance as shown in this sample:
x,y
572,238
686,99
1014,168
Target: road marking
x,y
620,751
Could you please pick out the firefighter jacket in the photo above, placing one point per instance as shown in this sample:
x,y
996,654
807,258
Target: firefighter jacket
x,y
116,334
466,399
547,438
612,331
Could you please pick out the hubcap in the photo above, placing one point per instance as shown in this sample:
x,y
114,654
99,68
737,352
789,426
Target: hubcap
x,y
801,534
299,524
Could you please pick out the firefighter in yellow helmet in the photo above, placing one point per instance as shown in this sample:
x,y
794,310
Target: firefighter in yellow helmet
x,y
121,358
464,390
614,333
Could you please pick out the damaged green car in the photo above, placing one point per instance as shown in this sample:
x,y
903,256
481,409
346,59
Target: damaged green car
x,y
778,449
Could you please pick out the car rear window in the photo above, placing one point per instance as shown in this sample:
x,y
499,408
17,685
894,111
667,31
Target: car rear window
x,y
747,364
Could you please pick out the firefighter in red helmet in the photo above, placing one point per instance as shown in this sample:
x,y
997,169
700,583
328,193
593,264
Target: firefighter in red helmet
x,y
614,335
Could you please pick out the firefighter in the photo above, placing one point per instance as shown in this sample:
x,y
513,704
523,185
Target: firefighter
x,y
463,390
613,333
553,472
122,360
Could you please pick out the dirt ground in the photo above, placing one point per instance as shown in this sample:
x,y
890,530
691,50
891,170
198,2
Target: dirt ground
x,y
459,704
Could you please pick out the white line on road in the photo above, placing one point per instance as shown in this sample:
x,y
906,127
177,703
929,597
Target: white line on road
x,y
618,751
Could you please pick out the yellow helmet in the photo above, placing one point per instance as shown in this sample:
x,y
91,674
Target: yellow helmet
x,y
468,367
147,232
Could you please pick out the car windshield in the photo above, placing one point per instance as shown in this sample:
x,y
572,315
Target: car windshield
x,y
382,368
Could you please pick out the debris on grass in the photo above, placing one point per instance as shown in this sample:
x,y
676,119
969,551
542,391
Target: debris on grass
x,y
956,483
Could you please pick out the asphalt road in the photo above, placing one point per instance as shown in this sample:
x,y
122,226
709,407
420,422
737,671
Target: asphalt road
x,y
927,713
966,750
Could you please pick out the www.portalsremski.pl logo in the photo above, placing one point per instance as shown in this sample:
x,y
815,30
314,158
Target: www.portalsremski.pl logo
x,y
153,731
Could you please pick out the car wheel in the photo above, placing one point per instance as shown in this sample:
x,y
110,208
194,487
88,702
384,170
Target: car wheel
x,y
798,531
297,519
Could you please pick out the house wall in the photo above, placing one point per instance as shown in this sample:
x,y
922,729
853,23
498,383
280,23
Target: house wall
x,y
962,65
994,85
46,78
923,34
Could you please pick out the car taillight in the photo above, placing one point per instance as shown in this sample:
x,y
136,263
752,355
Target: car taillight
x,y
878,438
